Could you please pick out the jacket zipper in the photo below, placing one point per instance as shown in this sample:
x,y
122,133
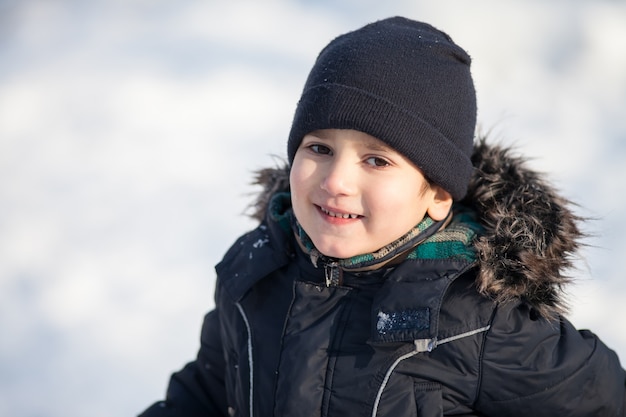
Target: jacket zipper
x,y
250,357
333,274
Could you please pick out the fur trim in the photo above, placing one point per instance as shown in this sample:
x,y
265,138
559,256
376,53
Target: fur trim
x,y
531,233
273,180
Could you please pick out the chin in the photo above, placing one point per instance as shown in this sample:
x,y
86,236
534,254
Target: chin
x,y
337,253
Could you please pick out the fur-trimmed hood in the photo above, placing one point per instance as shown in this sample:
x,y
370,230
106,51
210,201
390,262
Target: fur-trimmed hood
x,y
531,233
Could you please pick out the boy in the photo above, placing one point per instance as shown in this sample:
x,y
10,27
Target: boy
x,y
398,269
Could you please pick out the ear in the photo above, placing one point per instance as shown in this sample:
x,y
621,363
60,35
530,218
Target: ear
x,y
440,205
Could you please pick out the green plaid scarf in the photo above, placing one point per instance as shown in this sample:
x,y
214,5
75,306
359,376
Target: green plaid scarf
x,y
453,242
427,240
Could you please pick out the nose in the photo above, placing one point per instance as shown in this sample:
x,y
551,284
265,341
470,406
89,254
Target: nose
x,y
340,178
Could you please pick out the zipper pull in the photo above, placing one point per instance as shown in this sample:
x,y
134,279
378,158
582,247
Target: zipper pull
x,y
333,273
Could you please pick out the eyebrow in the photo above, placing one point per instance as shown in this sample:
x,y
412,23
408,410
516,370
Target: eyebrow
x,y
373,144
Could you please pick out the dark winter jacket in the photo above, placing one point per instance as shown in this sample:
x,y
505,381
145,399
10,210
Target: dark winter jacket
x,y
425,337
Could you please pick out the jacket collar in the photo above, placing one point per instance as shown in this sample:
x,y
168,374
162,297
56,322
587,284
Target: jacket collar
x,y
268,245
531,233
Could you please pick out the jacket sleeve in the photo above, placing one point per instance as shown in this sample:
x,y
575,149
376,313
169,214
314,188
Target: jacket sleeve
x,y
533,366
198,389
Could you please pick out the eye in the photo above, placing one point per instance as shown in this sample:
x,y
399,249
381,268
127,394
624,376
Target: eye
x,y
376,161
320,149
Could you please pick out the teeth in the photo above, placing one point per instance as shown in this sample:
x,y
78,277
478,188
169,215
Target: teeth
x,y
340,215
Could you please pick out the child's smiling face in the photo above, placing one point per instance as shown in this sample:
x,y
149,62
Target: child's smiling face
x,y
353,194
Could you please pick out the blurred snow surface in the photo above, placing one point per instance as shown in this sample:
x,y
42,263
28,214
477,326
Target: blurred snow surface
x,y
129,129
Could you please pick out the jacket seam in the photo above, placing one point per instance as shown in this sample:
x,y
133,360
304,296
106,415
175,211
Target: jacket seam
x,y
383,384
282,341
421,347
332,360
250,357
463,335
481,357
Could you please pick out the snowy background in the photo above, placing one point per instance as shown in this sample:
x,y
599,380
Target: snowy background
x,y
129,129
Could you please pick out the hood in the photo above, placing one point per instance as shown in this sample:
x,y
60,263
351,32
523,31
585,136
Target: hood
x,y
531,233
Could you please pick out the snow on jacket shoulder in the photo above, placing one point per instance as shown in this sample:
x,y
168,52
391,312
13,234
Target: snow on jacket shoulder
x,y
425,338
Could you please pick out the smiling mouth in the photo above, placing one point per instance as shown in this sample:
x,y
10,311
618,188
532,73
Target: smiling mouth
x,y
339,215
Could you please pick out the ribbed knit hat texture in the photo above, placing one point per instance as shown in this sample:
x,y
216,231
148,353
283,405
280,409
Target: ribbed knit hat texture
x,y
403,82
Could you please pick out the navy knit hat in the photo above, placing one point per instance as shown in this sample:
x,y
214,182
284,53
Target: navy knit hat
x,y
403,82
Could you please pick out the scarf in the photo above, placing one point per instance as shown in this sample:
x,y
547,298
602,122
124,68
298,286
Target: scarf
x,y
450,238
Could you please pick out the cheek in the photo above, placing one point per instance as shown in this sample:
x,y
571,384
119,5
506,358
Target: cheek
x,y
400,200
299,181
295,187
301,174
294,172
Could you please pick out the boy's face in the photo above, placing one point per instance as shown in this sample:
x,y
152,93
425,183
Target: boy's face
x,y
353,194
